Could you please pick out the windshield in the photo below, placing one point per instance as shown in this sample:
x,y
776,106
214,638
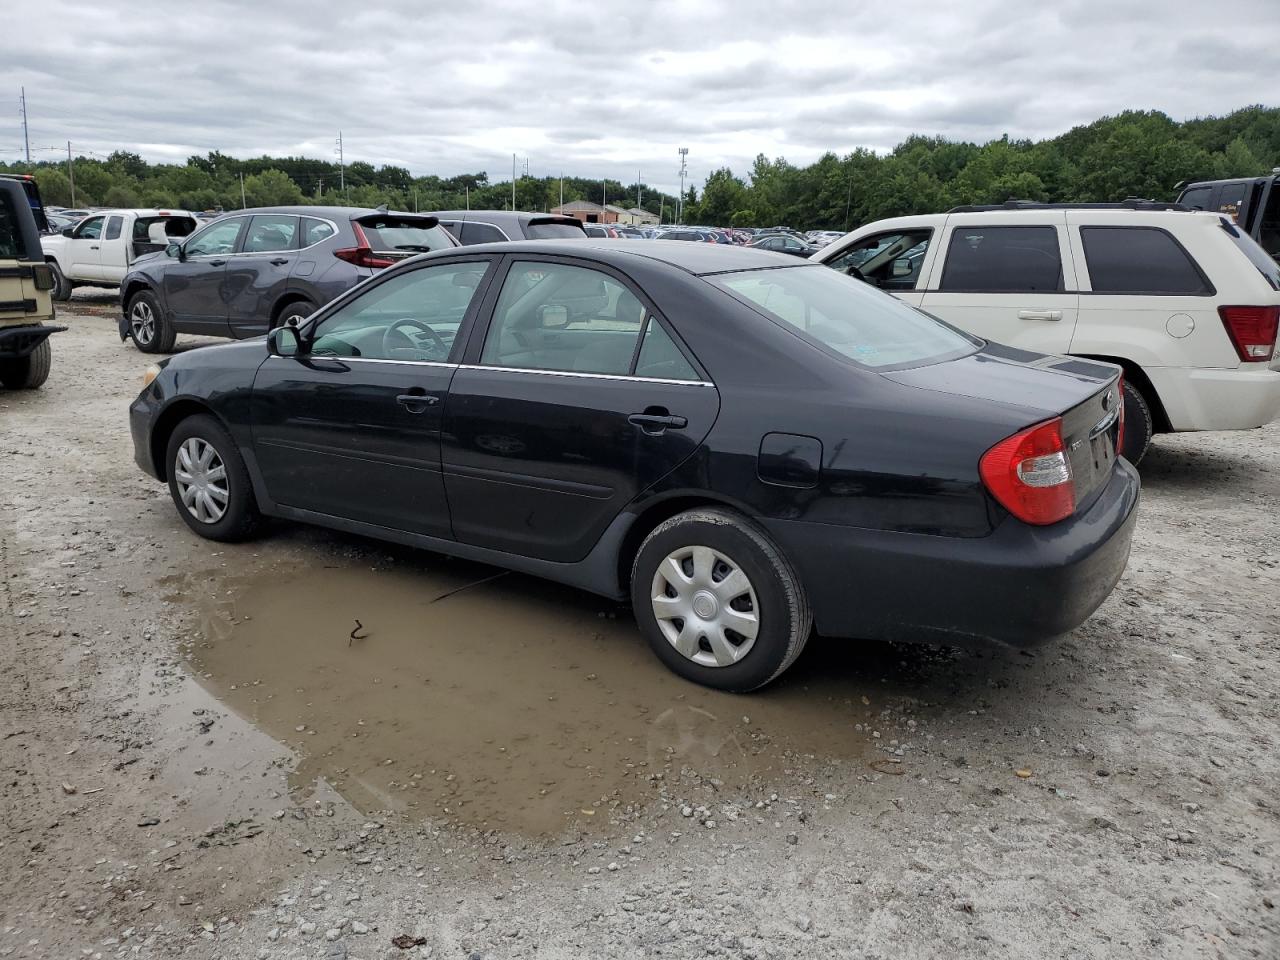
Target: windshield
x,y
407,234
553,230
850,318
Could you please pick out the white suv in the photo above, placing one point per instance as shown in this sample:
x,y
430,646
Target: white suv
x,y
1184,301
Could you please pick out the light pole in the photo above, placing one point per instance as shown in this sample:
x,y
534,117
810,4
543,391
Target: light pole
x,y
684,169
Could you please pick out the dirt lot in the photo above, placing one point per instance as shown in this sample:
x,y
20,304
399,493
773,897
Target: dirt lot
x,y
199,760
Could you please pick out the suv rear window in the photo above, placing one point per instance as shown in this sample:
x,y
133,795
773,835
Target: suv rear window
x,y
404,235
553,230
1140,260
1003,260
847,317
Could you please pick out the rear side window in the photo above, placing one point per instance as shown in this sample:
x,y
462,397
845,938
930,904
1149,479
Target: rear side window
x,y
314,231
1140,260
113,228
480,233
406,235
1003,260
269,233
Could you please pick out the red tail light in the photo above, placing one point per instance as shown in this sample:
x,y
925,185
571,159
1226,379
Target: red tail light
x,y
1252,331
1030,475
362,255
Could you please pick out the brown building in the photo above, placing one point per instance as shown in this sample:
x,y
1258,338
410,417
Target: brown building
x,y
589,212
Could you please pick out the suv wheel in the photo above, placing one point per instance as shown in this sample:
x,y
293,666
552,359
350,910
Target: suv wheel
x,y
1138,425
718,602
148,328
293,314
29,372
209,482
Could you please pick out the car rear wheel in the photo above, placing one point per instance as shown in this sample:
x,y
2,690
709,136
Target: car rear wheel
x,y
718,602
1138,425
293,314
149,330
209,482
61,285
29,372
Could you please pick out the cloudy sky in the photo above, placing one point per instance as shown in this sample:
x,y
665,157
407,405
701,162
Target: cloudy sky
x,y
606,88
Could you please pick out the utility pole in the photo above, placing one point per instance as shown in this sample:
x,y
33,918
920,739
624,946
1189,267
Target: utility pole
x,y
561,191
342,167
467,187
684,169
513,181
661,206
415,199
639,191
26,140
604,196
71,174
243,205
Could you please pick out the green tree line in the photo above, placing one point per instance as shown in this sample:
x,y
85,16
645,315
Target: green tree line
x,y
1132,154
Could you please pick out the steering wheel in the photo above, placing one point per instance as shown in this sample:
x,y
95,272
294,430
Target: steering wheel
x,y
387,338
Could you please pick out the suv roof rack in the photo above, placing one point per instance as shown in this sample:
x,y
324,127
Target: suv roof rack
x,y
1130,203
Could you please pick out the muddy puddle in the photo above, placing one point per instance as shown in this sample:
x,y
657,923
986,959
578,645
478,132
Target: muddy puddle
x,y
510,703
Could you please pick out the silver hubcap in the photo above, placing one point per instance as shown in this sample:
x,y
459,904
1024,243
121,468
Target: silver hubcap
x,y
705,606
201,478
143,321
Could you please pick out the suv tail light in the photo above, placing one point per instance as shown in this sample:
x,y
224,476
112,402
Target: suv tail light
x,y
1030,475
362,254
1252,331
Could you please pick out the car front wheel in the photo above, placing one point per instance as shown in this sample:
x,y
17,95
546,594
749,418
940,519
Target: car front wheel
x,y
209,482
718,601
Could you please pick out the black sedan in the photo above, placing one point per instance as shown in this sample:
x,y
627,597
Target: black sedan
x,y
746,445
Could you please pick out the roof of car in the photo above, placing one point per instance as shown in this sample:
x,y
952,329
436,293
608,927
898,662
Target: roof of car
x,y
696,258
331,212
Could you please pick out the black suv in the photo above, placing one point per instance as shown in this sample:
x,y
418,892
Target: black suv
x,y
494,226
252,270
1254,202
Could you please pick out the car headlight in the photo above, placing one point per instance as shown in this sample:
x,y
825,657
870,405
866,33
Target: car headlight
x,y
152,371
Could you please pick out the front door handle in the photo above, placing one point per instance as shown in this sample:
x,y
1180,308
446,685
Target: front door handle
x,y
417,402
1039,314
653,422
279,261
93,246
217,263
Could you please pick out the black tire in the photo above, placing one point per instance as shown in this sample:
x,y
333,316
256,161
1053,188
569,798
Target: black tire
x,y
240,519
149,329
782,613
297,310
29,372
1138,424
61,285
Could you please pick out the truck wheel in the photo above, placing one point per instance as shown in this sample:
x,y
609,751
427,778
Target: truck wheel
x,y
149,330
718,601
29,372
1138,425
61,285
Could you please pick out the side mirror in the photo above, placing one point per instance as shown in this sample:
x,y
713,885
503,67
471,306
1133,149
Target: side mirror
x,y
902,268
174,250
283,342
68,231
553,316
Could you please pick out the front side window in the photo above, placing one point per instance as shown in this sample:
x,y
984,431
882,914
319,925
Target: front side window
x,y
90,229
114,224
1139,260
269,233
1003,260
891,261
411,316
552,316
846,317
217,239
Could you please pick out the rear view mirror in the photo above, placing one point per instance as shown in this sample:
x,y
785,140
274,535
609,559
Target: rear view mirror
x,y
553,316
902,268
68,231
283,342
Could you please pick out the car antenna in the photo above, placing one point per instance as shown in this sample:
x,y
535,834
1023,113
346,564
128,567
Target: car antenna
x,y
382,208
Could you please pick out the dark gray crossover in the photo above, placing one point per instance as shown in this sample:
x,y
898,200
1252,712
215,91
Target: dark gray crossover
x,y
495,226
252,270
746,445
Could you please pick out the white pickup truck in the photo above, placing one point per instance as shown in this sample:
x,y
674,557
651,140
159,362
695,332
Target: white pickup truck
x,y
99,250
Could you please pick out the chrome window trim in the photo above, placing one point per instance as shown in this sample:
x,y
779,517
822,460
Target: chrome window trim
x,y
582,374
259,253
341,359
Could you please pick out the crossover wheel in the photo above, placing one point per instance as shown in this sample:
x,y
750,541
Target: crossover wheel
x,y
148,328
208,481
29,372
717,600
1138,425
293,314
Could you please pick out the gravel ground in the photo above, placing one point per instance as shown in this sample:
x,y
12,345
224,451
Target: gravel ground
x,y
1113,795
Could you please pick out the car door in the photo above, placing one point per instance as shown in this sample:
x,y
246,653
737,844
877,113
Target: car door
x,y
112,256
196,297
258,274
574,398
350,428
84,250
1007,278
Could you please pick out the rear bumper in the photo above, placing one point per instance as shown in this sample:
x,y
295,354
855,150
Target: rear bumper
x,y
1019,586
20,341
1206,399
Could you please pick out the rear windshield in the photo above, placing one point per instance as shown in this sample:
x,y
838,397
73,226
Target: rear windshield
x,y
1266,265
847,317
553,230
404,234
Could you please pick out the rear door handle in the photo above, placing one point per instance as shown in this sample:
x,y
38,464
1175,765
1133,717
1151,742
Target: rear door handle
x,y
1039,314
93,246
279,261
655,423
417,402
